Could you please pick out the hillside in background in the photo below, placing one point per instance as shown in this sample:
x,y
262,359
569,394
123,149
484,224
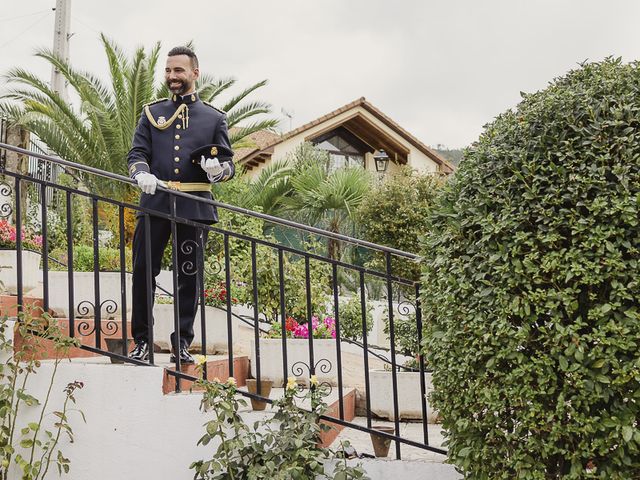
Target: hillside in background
x,y
454,155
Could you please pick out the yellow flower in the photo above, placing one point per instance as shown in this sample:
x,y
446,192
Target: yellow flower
x,y
291,383
313,380
216,380
200,359
231,381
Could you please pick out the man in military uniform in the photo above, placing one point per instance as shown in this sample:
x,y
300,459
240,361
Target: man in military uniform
x,y
180,143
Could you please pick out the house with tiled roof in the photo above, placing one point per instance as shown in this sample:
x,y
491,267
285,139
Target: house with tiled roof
x,y
356,134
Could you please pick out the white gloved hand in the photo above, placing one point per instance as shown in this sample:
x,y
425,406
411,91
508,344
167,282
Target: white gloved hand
x,y
211,166
148,182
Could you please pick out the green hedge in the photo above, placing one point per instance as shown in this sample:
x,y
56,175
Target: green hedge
x,y
532,286
109,259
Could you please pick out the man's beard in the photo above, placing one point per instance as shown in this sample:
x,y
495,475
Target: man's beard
x,y
184,87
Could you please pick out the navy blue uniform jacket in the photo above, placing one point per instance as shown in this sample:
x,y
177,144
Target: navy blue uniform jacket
x,y
165,153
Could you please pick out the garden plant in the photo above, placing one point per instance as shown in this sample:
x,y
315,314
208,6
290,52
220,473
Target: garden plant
x,y
282,447
532,292
32,448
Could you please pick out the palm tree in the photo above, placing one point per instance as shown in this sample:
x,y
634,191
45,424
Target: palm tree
x,y
269,190
306,189
98,133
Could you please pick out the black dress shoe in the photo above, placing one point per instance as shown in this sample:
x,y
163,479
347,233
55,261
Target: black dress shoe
x,y
185,356
140,351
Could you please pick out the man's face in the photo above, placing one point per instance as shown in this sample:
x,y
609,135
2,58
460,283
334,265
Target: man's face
x,y
180,75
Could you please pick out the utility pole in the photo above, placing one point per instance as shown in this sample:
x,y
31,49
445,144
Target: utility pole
x,y
61,44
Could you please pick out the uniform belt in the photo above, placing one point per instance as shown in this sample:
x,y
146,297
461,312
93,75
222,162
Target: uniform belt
x,y
188,187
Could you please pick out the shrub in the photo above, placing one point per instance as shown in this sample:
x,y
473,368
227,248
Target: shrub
x,y
279,447
405,331
532,290
351,318
109,259
394,214
30,449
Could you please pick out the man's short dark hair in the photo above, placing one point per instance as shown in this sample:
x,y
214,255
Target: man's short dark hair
x,y
185,51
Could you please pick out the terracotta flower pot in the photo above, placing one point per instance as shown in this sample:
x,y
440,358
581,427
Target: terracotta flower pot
x,y
381,444
265,390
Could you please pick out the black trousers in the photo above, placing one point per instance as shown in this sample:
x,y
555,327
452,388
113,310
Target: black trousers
x,y
190,240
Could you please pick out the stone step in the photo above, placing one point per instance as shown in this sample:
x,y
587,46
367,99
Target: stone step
x,y
217,366
84,331
361,441
333,403
31,305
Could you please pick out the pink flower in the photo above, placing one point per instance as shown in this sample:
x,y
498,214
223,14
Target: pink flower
x,y
301,331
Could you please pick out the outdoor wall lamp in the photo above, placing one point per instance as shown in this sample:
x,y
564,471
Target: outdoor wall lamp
x,y
382,161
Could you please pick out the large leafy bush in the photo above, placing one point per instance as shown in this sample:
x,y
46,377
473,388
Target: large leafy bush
x,y
532,286
394,213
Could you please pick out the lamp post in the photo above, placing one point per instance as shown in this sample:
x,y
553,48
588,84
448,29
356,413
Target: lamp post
x,y
382,161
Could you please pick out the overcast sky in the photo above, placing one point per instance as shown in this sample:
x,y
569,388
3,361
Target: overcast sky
x,y
440,68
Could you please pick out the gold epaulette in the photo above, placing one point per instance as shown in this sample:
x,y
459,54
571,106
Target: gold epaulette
x,y
215,108
154,102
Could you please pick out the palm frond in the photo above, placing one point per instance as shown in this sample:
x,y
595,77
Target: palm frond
x,y
242,95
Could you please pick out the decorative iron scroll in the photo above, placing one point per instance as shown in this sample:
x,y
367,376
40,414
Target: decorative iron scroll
x,y
189,247
109,327
323,365
6,207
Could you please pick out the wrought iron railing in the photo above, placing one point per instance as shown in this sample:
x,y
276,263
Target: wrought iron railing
x,y
332,372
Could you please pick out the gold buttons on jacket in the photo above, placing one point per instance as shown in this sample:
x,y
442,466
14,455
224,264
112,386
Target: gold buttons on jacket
x,y
180,116
177,170
176,147
178,127
177,137
177,159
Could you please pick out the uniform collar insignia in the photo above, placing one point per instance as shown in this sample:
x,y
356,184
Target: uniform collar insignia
x,y
188,99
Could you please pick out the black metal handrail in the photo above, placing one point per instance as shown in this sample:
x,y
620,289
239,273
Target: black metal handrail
x,y
233,208
316,364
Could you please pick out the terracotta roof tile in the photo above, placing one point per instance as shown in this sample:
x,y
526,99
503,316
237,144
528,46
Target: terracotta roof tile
x,y
260,139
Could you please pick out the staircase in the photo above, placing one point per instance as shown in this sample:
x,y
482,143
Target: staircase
x,y
143,417
138,426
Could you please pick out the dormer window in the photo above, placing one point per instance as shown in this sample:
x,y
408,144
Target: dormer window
x,y
343,147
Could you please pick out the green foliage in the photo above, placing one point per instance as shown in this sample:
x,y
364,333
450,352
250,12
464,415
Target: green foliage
x,y
282,447
269,283
323,197
351,318
532,292
405,331
267,271
98,133
33,447
109,259
394,213
303,188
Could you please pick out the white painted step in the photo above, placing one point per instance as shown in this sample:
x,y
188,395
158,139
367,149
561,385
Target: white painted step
x,y
134,431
